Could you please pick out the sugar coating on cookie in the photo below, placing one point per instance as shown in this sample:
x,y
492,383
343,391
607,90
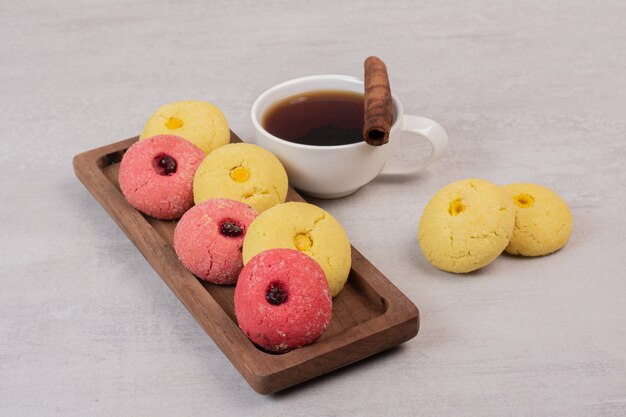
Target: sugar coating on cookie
x,y
209,237
466,225
543,221
200,122
156,175
308,229
242,172
282,300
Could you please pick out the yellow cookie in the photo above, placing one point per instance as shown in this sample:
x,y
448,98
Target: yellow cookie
x,y
201,123
306,228
543,221
242,172
466,225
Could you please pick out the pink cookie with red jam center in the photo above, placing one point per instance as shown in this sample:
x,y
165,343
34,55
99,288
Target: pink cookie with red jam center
x,y
156,175
208,239
282,300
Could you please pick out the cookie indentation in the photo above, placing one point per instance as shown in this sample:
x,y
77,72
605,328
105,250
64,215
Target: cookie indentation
x,y
174,123
240,174
164,164
456,207
276,293
302,242
230,229
524,200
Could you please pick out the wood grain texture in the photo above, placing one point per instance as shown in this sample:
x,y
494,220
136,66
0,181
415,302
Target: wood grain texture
x,y
370,314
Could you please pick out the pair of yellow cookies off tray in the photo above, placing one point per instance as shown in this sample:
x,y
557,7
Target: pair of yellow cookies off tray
x,y
468,223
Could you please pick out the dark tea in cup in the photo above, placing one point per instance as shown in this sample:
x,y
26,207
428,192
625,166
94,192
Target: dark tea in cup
x,y
318,118
327,169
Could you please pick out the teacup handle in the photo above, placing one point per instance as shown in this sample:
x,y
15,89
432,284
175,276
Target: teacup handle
x,y
422,128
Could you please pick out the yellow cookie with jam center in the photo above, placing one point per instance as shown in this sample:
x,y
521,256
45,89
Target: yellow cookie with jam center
x,y
199,122
543,221
242,172
306,228
466,225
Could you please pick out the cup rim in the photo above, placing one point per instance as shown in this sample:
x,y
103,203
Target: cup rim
x,y
259,128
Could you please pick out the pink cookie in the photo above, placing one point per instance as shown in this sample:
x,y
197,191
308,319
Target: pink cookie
x,y
282,300
208,239
156,175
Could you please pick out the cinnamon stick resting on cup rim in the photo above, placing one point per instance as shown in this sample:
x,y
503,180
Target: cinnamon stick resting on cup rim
x,y
378,108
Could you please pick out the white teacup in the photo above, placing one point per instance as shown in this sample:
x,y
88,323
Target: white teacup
x,y
337,171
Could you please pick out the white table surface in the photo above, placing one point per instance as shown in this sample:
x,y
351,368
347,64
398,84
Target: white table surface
x,y
527,91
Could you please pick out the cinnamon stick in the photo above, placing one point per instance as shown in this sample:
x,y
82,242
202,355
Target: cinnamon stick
x,y
378,109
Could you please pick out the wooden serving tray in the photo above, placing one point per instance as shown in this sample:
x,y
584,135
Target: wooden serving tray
x,y
369,315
